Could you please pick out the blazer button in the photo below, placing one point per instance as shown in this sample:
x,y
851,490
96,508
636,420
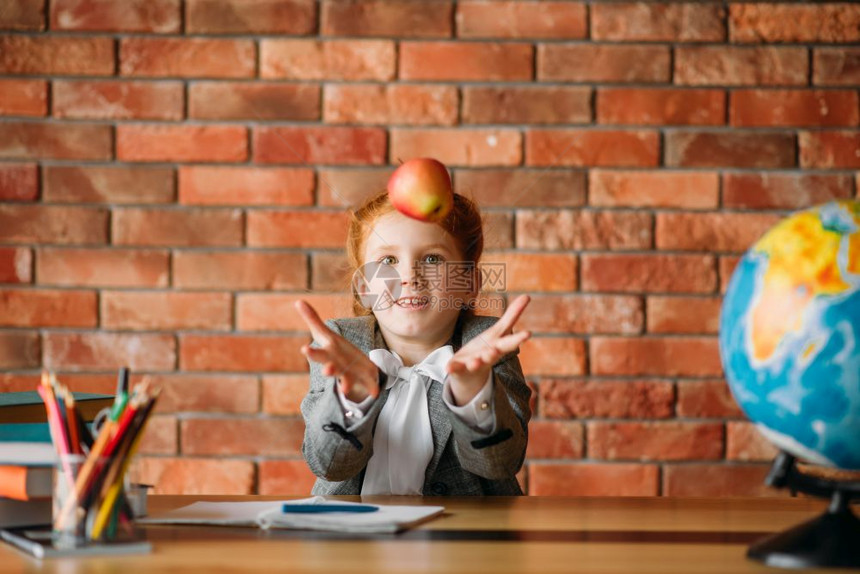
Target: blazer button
x,y
439,488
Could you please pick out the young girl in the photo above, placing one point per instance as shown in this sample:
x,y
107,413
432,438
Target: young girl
x,y
416,395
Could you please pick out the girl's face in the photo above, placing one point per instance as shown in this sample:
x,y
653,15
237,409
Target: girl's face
x,y
412,259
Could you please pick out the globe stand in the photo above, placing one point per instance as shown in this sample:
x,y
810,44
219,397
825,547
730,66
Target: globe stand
x,y
831,540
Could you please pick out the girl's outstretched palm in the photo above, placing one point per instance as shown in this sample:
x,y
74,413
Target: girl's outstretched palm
x,y
357,376
470,366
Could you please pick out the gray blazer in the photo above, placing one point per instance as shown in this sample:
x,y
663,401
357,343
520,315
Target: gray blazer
x,y
465,461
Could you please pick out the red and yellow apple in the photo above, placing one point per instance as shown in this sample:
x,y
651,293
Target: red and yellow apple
x,y
421,189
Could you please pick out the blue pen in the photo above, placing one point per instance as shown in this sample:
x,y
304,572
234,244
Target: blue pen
x,y
314,508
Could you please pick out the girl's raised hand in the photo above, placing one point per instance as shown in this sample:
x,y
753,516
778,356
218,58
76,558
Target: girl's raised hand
x,y
470,366
357,376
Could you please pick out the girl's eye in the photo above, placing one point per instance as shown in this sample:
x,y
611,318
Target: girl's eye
x,y
433,258
385,260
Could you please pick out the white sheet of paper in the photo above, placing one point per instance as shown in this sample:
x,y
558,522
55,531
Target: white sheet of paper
x,y
268,514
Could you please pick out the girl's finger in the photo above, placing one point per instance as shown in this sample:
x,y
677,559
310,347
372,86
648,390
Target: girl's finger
x,y
320,332
504,325
316,355
455,366
510,342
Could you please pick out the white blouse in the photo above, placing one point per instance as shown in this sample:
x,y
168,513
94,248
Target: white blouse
x,y
403,440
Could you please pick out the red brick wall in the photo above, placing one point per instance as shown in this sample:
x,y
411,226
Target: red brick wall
x,y
173,175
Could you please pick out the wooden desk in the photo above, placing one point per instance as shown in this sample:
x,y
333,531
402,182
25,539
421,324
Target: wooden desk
x,y
490,535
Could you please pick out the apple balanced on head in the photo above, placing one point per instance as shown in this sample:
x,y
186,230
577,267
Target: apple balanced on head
x,y
421,189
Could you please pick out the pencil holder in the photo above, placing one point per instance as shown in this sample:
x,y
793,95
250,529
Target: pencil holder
x,y
69,511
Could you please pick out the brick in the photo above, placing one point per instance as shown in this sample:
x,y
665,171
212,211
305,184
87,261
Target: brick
x,y
231,270
744,442
283,394
206,393
727,266
102,268
23,97
19,350
647,22
593,480
94,351
243,186
160,436
830,150
241,353
732,232
498,231
19,182
107,184
468,61
555,440
553,356
706,399
509,19
23,15
175,228
187,57
522,187
583,314
683,315
588,148
106,100
55,141
626,399
36,223
667,357
836,66
794,23
741,66
716,480
648,273
188,475
294,17
583,229
296,59
350,187
531,272
783,190
56,55
330,272
78,382
526,105
16,265
297,229
404,19
467,147
775,108
730,149
647,441
276,311
656,189
240,101
155,16
603,63
186,143
315,145
164,311
48,308
285,478
407,104
661,106
271,436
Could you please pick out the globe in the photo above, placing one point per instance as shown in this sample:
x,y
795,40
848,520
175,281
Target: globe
x,y
789,327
